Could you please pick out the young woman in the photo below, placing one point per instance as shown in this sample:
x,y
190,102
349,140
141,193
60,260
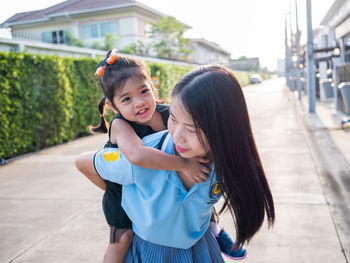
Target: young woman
x,y
171,214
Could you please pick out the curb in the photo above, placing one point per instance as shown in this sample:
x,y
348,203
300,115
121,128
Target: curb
x,y
333,170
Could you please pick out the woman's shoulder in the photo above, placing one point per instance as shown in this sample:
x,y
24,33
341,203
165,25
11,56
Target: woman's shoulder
x,y
153,139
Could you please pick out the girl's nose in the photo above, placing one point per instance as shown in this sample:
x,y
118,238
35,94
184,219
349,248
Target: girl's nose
x,y
139,101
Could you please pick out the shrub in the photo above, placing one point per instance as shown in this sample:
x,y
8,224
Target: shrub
x,y
47,100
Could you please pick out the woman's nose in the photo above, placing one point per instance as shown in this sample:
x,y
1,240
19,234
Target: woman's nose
x,y
178,135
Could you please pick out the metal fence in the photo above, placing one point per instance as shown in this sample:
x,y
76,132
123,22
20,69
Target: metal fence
x,y
343,75
21,35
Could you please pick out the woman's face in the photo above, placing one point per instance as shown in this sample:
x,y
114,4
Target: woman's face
x,y
183,131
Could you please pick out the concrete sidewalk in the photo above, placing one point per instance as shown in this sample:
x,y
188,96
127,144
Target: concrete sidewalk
x,y
51,213
329,145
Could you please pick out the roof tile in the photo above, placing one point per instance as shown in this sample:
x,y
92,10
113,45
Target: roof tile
x,y
65,7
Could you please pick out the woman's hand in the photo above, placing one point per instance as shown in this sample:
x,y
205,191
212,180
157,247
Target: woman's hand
x,y
196,169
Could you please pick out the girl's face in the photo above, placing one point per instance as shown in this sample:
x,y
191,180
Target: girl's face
x,y
183,131
136,101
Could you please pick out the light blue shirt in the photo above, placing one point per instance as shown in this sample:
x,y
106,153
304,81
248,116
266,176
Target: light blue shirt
x,y
161,209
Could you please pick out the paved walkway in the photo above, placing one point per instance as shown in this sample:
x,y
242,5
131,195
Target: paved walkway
x,y
51,213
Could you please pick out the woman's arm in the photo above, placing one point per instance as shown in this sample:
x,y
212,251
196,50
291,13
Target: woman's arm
x,y
84,163
138,154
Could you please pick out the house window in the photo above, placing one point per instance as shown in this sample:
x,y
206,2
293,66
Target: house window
x,y
148,29
98,30
46,37
109,27
55,37
89,31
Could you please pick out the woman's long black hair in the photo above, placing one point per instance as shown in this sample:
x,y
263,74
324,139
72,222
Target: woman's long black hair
x,y
213,97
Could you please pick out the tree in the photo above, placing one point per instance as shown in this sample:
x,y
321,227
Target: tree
x,y
96,45
139,48
168,39
72,41
110,42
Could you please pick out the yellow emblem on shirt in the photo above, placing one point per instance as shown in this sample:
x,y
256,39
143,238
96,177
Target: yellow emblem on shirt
x,y
216,189
111,156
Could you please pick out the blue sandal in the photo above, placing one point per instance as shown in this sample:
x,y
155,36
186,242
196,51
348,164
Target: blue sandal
x,y
226,244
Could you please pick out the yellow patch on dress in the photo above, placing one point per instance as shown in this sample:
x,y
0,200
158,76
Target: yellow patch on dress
x,y
111,156
216,189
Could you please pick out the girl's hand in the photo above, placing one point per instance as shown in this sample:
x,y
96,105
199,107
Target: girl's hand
x,y
196,169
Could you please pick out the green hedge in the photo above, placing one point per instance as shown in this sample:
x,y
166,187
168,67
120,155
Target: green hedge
x,y
169,75
245,76
47,100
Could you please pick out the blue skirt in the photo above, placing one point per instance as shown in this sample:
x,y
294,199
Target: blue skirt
x,y
206,250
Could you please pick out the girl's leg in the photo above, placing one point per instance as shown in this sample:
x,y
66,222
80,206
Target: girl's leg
x,y
120,241
84,164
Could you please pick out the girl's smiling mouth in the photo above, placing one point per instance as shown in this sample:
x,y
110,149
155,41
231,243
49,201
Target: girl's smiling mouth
x,y
142,112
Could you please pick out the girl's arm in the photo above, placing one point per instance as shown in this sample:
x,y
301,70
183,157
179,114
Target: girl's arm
x,y
138,154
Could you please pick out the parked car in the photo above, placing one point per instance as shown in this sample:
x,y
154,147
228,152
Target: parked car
x,y
256,78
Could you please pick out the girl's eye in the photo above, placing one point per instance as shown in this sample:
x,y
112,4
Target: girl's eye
x,y
126,99
145,91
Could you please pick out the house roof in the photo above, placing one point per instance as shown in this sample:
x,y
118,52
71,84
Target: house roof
x,y
73,7
207,43
333,10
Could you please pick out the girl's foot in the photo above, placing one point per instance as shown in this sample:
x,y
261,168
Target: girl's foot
x,y
226,244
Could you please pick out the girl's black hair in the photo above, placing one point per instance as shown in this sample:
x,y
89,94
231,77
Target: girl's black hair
x,y
113,80
103,126
213,97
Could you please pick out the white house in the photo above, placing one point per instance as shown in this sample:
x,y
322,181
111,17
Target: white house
x,y
87,20
206,52
90,21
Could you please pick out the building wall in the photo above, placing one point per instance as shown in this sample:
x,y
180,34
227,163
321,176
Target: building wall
x,y
70,51
250,64
281,67
130,27
206,55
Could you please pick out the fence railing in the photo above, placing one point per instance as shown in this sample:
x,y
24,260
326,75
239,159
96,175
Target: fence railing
x,y
21,35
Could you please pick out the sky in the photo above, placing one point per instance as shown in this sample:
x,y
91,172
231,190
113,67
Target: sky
x,y
251,28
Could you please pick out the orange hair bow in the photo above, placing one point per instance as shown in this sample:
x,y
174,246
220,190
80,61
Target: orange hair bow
x,y
110,58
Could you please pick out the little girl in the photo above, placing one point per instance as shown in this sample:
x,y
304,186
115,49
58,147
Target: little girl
x,y
129,92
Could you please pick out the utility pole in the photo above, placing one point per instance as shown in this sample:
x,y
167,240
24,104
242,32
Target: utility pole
x,y
311,91
292,69
298,80
286,61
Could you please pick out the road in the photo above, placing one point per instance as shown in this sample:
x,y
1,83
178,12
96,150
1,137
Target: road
x,y
51,213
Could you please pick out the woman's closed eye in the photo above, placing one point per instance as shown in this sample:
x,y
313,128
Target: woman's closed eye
x,y
191,130
172,118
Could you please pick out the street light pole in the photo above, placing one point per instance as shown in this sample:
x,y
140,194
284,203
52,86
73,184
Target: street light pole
x,y
298,52
286,61
310,60
292,61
